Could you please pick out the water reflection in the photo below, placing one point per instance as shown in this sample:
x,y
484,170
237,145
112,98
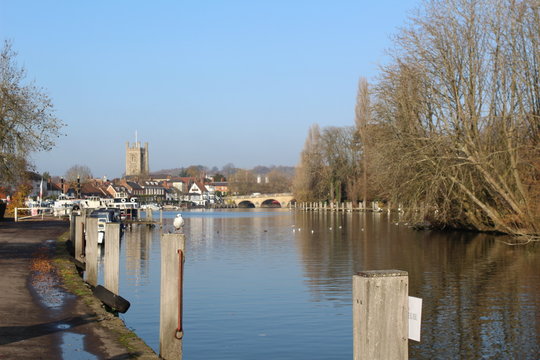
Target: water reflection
x,y
258,278
480,295
137,242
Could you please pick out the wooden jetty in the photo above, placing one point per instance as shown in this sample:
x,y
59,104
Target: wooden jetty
x,y
141,222
373,206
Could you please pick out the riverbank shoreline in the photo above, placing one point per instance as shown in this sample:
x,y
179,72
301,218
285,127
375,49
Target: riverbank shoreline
x,y
48,311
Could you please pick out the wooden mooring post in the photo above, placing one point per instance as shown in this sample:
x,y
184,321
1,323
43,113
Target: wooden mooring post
x,y
91,252
78,244
72,229
112,257
380,315
170,316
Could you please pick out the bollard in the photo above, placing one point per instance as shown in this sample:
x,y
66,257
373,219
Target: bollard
x,y
170,316
91,251
380,315
112,257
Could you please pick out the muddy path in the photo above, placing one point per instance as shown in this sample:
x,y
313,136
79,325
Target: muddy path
x,y
39,317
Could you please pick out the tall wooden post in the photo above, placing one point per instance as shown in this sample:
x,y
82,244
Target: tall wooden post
x,y
112,257
380,315
91,252
72,218
79,236
170,342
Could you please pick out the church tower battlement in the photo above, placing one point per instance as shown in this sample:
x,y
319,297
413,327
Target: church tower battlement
x,y
137,159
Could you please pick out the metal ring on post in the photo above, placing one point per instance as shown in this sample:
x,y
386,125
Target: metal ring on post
x,y
179,333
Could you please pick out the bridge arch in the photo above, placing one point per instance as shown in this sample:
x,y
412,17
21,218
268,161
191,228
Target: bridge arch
x,y
282,200
246,204
271,203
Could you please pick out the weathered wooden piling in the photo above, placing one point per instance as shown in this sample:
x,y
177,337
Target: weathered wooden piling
x,y
112,257
380,315
91,251
79,238
170,317
72,218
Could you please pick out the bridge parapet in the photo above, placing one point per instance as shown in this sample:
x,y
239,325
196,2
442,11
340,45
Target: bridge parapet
x,y
262,200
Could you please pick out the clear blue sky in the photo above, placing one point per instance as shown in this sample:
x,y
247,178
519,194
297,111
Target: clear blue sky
x,y
204,82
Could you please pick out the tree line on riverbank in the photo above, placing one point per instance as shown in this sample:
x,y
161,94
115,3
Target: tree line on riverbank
x,y
450,128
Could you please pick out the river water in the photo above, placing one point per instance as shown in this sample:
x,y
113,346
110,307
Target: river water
x,y
277,284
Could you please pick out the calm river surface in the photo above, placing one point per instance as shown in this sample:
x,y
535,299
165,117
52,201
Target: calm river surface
x,y
276,284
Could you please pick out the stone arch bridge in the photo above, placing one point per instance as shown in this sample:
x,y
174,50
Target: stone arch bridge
x,y
262,200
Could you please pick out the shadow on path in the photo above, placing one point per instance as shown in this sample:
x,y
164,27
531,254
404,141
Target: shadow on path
x,y
11,334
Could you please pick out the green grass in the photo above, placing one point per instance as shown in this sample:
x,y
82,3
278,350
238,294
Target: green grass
x,y
73,283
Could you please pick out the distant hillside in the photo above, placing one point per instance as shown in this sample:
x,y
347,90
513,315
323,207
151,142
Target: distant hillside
x,y
172,172
257,170
263,170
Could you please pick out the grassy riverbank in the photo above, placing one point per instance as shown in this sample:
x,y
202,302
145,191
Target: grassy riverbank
x,y
113,325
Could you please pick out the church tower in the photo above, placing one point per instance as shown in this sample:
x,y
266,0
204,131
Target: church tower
x,y
137,159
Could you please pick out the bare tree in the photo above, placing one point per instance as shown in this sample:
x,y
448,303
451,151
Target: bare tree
x,y
307,183
278,182
458,115
81,172
228,169
27,121
341,159
362,119
242,182
196,171
329,165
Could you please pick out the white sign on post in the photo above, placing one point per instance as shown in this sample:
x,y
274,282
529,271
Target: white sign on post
x,y
415,317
